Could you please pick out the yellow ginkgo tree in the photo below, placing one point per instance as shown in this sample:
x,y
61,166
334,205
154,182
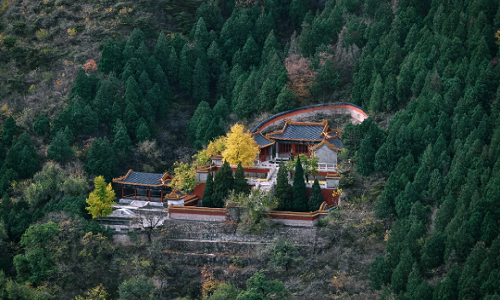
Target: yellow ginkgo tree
x,y
240,147
100,200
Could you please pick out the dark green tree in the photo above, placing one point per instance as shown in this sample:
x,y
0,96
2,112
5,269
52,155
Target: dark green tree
x,y
9,131
162,51
399,277
326,81
140,288
201,80
286,100
250,54
22,157
101,159
185,70
130,119
172,68
316,198
142,131
201,33
41,127
283,190
298,10
121,142
60,149
380,273
299,188
240,182
223,184
207,200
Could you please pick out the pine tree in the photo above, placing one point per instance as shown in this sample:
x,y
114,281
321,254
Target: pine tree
x,y
203,110
298,10
142,131
211,14
162,51
103,101
201,33
201,81
286,100
70,136
283,190
399,277
223,184
377,95
101,159
172,67
145,82
221,110
366,157
130,119
142,54
380,273
214,60
83,87
22,157
41,127
207,200
121,141
250,54
9,131
299,188
185,70
240,182
60,150
316,198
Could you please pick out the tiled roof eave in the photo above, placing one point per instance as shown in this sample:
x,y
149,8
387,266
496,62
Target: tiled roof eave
x,y
140,184
291,139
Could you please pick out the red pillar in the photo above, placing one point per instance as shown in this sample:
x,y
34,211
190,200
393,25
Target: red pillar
x,y
161,195
123,191
149,194
135,193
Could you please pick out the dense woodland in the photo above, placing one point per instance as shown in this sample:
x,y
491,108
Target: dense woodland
x,y
426,71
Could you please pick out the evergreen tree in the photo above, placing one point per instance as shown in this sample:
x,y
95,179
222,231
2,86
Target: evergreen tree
x,y
299,188
142,131
207,200
142,54
172,67
9,131
22,157
101,159
162,51
145,82
286,100
201,33
84,86
298,10
400,275
240,182
223,184
121,141
60,149
380,273
267,95
283,190
270,46
250,53
130,119
211,14
201,80
366,157
214,61
326,81
104,99
111,58
221,110
316,198
70,136
186,70
41,127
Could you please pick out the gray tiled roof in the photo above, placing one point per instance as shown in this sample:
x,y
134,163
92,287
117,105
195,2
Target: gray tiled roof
x,y
261,141
336,142
143,178
301,132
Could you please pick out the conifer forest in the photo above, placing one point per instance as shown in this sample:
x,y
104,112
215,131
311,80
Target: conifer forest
x,y
92,89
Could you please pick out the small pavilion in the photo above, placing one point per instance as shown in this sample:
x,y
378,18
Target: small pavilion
x,y
146,186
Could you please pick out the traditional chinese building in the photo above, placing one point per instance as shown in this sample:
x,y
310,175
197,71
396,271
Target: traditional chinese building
x,y
144,186
300,138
